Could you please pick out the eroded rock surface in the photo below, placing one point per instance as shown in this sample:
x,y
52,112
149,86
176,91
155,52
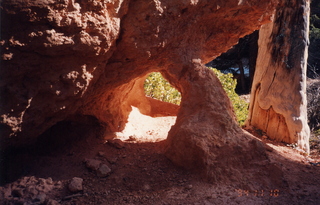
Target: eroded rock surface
x,y
30,190
69,59
53,54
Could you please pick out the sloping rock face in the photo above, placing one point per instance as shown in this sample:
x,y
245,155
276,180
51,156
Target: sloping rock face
x,y
64,60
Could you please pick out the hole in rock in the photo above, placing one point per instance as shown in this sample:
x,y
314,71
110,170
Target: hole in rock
x,y
164,101
157,87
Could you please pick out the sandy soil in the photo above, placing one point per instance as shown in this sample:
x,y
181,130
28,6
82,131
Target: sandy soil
x,y
141,174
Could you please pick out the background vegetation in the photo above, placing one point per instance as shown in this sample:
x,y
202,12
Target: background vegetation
x,y
229,84
314,35
241,58
157,87
313,94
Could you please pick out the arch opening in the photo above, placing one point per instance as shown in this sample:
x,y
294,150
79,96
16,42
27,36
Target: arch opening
x,y
157,87
155,105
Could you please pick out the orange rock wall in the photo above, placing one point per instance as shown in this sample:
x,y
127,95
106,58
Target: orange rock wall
x,y
69,58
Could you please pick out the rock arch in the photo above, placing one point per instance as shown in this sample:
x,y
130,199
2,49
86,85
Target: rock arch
x,y
85,59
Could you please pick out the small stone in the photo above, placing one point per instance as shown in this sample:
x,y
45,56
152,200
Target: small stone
x,y
102,154
32,190
112,160
146,187
117,143
132,138
42,181
189,186
58,185
75,184
103,170
49,181
41,198
93,164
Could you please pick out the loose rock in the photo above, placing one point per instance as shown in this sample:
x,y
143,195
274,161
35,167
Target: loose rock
x,y
103,170
32,190
117,143
112,160
41,198
93,164
146,187
189,186
101,154
76,184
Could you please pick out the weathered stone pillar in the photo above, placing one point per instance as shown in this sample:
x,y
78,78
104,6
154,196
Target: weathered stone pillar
x,y
206,134
278,104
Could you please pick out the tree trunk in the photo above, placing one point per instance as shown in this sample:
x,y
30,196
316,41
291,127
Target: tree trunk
x,y
253,52
242,76
278,104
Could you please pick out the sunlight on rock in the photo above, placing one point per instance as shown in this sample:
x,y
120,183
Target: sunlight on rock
x,y
142,128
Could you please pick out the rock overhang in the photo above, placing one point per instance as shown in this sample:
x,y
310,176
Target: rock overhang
x,y
84,58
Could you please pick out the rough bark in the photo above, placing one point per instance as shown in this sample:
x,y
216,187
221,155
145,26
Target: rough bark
x,y
278,95
253,53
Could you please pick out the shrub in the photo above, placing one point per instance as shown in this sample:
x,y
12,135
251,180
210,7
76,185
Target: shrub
x,y
313,95
229,84
157,87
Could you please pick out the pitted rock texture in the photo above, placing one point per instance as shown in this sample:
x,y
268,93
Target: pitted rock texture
x,y
30,190
53,53
69,59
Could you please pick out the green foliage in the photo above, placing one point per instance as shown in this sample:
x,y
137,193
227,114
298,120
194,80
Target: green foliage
x,y
157,87
314,30
314,33
314,36
313,99
229,85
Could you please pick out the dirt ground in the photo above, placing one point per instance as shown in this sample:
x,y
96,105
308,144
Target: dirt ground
x,y
140,173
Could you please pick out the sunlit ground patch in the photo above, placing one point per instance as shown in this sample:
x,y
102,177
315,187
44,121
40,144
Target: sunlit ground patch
x,y
143,128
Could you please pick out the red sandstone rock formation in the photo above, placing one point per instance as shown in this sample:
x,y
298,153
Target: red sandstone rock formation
x,y
74,58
